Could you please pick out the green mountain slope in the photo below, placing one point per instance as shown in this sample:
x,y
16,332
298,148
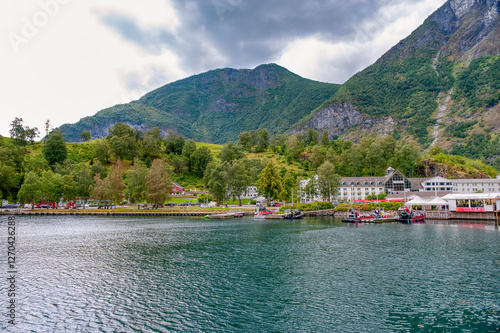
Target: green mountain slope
x,y
217,105
445,73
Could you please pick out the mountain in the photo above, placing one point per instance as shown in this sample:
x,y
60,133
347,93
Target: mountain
x,y
216,106
440,85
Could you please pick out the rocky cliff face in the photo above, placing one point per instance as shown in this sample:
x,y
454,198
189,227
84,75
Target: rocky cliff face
x,y
342,117
478,29
459,31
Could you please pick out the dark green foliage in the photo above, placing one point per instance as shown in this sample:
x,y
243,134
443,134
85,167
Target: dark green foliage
x,y
9,182
122,140
444,67
479,146
17,131
216,106
174,143
200,159
230,152
459,130
55,150
479,84
85,135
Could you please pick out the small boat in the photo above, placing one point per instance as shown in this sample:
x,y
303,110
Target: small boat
x,y
293,215
379,216
262,213
353,216
408,216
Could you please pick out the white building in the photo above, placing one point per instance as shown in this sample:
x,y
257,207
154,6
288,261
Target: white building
x,y
358,188
476,185
437,184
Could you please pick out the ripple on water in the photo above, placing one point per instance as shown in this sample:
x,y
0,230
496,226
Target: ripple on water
x,y
162,275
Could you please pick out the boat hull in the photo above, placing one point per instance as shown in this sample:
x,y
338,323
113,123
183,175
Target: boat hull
x,y
411,220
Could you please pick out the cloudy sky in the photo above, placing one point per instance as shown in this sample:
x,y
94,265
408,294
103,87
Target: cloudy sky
x,y
66,59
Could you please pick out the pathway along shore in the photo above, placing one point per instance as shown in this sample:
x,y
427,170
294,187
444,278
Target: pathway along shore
x,y
102,212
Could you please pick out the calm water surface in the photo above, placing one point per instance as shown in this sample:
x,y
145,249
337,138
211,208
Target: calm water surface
x,y
103,274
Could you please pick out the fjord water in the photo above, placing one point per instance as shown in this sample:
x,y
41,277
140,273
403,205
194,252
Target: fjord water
x,y
105,274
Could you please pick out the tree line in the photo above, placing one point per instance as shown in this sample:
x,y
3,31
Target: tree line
x,y
127,160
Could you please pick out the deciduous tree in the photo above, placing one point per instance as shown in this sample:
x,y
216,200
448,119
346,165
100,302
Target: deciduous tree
x,y
158,183
31,190
136,183
328,180
55,150
122,141
200,159
269,183
85,136
237,179
151,144
216,181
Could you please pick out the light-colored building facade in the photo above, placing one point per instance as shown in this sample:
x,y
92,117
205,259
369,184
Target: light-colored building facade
x,y
359,188
484,185
399,186
437,184
476,185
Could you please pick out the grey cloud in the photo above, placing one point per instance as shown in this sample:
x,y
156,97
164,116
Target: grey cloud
x,y
250,32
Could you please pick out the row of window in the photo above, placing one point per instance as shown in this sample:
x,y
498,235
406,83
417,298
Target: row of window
x,y
359,183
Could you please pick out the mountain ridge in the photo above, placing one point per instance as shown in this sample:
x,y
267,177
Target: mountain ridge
x,y
445,75
216,105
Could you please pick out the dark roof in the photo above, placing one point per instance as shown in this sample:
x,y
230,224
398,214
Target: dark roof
x,y
417,182
361,181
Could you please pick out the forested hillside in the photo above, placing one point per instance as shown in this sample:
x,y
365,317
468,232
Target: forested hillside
x,y
216,106
139,166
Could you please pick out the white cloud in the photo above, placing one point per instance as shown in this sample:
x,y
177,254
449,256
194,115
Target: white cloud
x,y
66,64
75,66
337,61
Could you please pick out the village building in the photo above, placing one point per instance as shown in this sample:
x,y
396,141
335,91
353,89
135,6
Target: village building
x,y
177,189
359,188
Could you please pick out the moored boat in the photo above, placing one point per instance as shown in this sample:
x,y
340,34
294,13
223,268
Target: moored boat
x,y
293,215
408,216
262,213
353,216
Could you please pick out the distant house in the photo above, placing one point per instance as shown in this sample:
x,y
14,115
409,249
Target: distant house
x,y
177,189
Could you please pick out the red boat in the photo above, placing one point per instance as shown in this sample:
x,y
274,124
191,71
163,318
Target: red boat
x,y
353,216
408,216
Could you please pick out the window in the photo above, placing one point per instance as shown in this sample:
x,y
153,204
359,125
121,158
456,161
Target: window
x,y
477,203
463,203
